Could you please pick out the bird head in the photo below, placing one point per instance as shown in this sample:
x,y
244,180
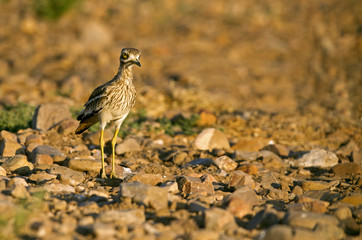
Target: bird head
x,y
130,56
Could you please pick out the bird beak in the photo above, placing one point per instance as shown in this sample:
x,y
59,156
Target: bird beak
x,y
137,62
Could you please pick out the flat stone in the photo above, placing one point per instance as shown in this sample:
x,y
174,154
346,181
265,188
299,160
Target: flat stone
x,y
241,202
48,115
67,175
33,139
150,196
41,177
190,185
147,178
18,164
57,155
128,145
211,138
199,161
318,158
204,234
280,232
42,159
219,219
225,163
270,160
354,199
85,165
309,219
10,149
245,156
240,179
347,169
123,217
250,144
59,188
318,185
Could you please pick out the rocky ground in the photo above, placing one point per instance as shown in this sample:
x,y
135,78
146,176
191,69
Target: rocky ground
x,y
247,123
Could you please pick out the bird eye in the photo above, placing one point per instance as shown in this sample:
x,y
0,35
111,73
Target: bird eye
x,y
124,55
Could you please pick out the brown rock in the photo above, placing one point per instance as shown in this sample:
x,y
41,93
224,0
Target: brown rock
x,y
343,213
9,148
190,185
147,178
67,126
54,153
218,219
241,202
250,144
18,164
8,136
93,137
277,149
48,115
211,138
2,172
206,119
85,164
239,179
357,156
318,185
347,169
354,199
33,139
313,205
42,159
41,177
128,145
225,163
204,234
19,191
309,219
250,168
270,160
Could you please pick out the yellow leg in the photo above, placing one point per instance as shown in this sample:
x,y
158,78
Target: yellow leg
x,y
114,139
101,144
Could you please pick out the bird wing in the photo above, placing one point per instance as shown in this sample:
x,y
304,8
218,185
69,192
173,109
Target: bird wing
x,y
95,103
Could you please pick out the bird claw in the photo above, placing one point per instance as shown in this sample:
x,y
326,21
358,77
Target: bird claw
x,y
104,174
113,175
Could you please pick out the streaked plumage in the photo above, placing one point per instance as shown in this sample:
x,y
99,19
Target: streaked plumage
x,y
112,101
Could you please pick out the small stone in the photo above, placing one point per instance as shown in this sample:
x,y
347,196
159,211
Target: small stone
x,y
250,144
309,219
2,172
18,164
318,158
250,168
41,177
147,178
200,161
59,188
354,199
241,202
270,160
329,231
297,190
33,139
150,196
19,191
8,136
67,126
57,155
280,232
48,115
17,181
313,205
343,213
206,119
66,175
170,186
218,219
179,158
225,163
120,171
123,217
42,159
239,179
245,156
85,165
9,149
190,185
277,149
347,169
318,185
128,145
211,138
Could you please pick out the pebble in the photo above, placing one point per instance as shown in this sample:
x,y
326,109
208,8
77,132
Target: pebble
x,y
277,149
211,138
67,126
144,194
318,158
270,160
225,163
19,191
67,175
191,185
53,152
241,202
85,165
59,188
240,179
128,145
147,178
18,164
33,139
309,219
218,219
343,213
9,148
41,177
245,156
251,168
318,185
48,115
347,169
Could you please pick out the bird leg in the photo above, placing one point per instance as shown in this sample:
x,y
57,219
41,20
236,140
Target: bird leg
x,y
101,144
114,139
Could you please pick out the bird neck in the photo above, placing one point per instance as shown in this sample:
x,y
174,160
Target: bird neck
x,y
125,74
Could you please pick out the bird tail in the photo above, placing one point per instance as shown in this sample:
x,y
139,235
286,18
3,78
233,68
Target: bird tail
x,y
86,123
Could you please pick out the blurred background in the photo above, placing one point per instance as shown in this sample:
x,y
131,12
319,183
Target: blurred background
x,y
223,56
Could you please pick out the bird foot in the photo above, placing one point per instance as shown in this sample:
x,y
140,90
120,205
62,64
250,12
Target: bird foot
x,y
104,174
113,175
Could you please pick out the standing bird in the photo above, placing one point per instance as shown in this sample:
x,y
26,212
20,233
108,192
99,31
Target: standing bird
x,y
111,102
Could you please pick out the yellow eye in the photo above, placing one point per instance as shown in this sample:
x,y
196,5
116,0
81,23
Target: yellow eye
x,y
124,55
